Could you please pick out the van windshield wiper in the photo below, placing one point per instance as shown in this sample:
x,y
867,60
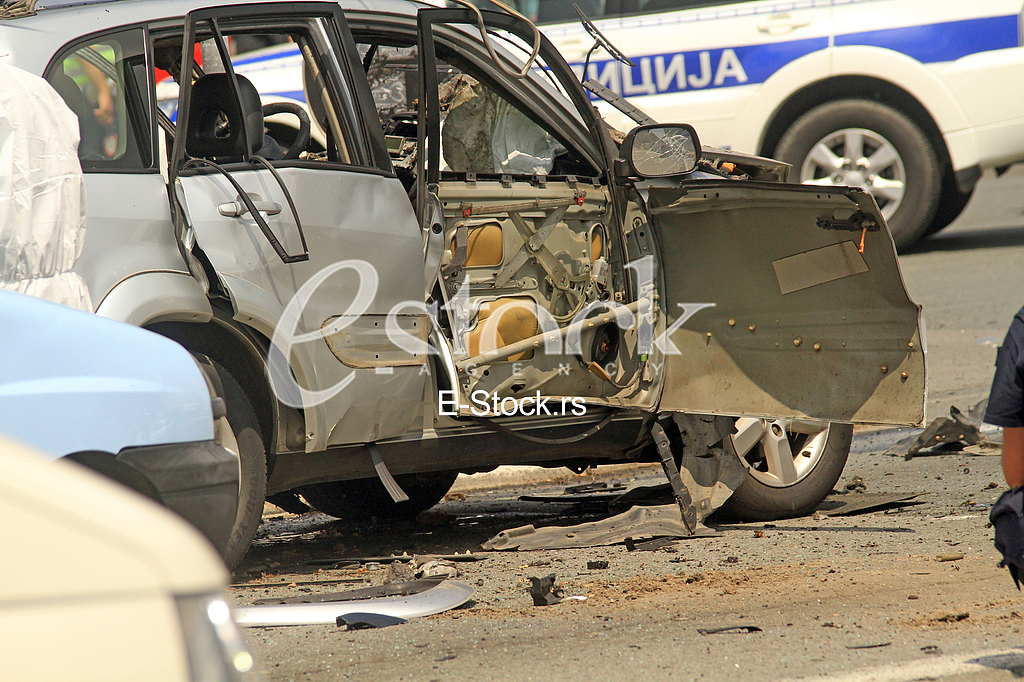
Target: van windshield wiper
x,y
599,41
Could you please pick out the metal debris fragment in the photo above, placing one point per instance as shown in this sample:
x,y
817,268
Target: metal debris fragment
x,y
367,621
648,546
730,630
468,556
952,617
848,504
965,429
870,646
639,522
543,590
443,596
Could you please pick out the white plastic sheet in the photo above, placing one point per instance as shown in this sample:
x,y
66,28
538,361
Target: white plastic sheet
x,y
42,192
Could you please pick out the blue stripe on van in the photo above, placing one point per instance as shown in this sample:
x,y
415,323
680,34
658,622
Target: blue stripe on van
x,y
943,42
292,52
752,64
702,69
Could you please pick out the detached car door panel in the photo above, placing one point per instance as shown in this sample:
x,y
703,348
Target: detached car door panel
x,y
801,318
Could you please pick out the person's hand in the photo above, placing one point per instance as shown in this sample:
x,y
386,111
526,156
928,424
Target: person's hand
x,y
104,112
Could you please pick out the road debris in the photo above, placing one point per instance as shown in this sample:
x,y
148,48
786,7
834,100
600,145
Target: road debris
x,y
368,621
649,545
597,565
849,504
958,428
730,630
440,596
468,556
639,522
870,646
387,590
435,568
949,557
931,649
857,485
543,590
951,617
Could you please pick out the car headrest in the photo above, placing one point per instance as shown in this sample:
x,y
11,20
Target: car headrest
x,y
211,99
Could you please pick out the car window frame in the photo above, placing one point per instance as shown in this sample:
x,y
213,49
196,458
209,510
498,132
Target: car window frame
x,y
363,137
79,42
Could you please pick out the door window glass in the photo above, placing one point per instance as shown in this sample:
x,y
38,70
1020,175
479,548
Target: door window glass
x,y
282,66
105,83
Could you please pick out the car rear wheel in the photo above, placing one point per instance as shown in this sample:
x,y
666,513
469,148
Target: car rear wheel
x,y
791,466
243,436
859,143
362,499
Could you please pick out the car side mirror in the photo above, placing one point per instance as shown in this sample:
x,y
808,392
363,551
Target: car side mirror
x,y
658,151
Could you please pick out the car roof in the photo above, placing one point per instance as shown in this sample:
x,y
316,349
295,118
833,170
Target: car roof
x,y
31,34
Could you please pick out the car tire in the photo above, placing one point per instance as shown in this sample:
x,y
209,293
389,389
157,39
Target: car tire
x,y
365,498
951,204
252,457
906,180
759,498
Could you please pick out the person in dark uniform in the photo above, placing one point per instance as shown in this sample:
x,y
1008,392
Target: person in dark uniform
x,y
1006,400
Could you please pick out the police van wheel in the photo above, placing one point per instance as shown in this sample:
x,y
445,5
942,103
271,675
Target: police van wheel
x,y
860,143
791,466
951,204
246,441
365,498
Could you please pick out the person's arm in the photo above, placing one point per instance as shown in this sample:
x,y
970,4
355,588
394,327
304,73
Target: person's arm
x,y
1013,456
104,112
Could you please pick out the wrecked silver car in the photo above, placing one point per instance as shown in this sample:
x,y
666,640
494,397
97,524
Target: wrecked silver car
x,y
422,253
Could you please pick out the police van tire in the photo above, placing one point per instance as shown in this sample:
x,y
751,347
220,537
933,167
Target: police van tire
x,y
365,498
906,180
755,500
252,456
951,204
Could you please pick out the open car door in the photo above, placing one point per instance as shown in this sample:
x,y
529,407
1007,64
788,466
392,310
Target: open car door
x,y
805,315
315,249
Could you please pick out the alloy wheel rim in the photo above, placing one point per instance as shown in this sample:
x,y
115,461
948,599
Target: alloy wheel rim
x,y
780,453
857,157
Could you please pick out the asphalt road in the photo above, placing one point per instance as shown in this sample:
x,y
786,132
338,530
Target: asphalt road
x,y
906,593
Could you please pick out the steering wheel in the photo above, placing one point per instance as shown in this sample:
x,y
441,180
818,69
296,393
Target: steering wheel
x,y
296,110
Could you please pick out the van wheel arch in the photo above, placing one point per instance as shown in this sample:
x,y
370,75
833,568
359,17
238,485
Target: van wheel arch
x,y
851,87
951,200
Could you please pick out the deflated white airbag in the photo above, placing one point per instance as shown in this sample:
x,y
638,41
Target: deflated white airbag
x,y
42,192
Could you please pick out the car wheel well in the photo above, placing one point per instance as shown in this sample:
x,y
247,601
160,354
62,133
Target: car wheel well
x,y
107,464
852,87
243,351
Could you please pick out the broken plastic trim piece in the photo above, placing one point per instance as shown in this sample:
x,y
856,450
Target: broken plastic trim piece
x,y
446,595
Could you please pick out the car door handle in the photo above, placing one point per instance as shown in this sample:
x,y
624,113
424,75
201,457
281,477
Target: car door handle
x,y
234,209
780,24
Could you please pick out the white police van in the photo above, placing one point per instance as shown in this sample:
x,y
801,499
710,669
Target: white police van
x,y
910,99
